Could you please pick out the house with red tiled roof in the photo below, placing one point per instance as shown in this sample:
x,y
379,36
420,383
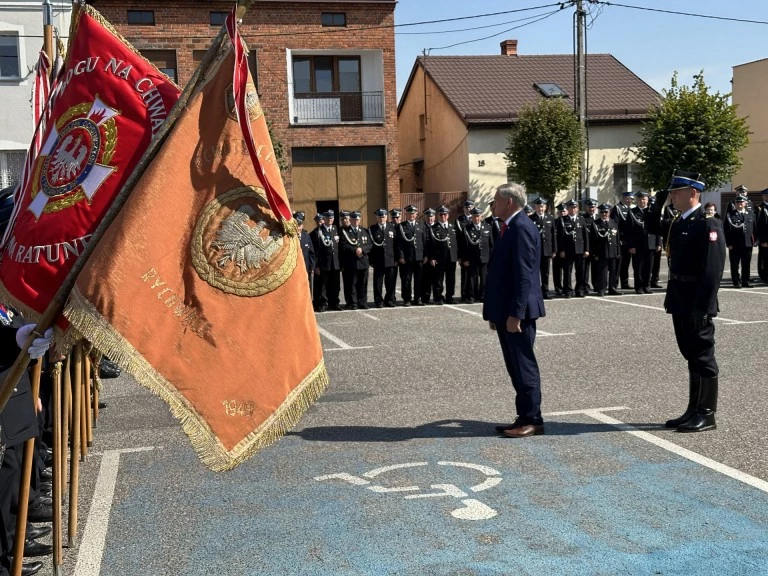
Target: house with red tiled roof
x,y
456,112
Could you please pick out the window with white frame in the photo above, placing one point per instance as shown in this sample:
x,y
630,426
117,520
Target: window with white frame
x,y
11,163
9,56
626,179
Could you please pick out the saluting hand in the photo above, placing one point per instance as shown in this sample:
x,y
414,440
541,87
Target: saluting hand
x,y
513,324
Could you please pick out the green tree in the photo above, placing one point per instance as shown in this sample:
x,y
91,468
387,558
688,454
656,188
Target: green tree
x,y
278,147
694,130
544,148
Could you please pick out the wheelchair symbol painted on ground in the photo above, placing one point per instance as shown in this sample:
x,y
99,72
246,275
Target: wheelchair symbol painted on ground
x,y
472,509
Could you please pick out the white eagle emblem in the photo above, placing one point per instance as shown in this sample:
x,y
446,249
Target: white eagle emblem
x,y
242,244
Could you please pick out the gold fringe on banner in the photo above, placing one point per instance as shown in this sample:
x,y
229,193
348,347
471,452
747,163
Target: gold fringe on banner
x,y
211,451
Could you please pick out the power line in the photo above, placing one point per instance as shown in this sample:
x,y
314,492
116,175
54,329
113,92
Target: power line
x,y
544,17
708,16
468,29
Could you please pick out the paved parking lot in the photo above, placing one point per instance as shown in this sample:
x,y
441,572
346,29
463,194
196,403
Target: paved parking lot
x,y
397,469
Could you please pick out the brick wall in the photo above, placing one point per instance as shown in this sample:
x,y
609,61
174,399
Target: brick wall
x,y
184,26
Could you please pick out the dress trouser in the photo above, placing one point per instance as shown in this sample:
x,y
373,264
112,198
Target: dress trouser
x,y
762,263
605,278
410,281
445,276
523,369
696,346
642,264
427,282
740,256
330,281
656,266
571,262
624,262
544,273
384,278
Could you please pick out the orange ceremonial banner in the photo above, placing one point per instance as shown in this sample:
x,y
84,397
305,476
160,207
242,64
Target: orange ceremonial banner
x,y
198,288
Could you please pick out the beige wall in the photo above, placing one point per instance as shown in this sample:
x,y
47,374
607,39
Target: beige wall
x,y
750,94
487,166
609,145
444,146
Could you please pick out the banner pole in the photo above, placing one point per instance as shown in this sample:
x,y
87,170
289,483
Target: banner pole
x,y
88,400
58,468
74,458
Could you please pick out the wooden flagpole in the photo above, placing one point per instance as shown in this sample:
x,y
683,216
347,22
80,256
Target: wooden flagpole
x,y
59,457
88,400
74,457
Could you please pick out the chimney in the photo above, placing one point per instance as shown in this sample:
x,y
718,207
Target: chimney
x,y
509,48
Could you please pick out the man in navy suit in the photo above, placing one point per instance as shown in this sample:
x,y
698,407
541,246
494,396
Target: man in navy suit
x,y
513,301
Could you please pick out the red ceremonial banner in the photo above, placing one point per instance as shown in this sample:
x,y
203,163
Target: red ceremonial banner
x,y
106,107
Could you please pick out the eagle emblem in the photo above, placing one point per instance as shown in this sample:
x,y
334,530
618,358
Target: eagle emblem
x,y
245,245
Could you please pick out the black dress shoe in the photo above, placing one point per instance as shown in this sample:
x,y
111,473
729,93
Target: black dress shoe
x,y
46,474
102,404
655,285
546,296
601,293
35,548
407,303
746,285
614,292
363,306
379,305
29,568
625,286
638,291
336,308
40,511
389,304
647,291
45,486
419,304
35,532
450,301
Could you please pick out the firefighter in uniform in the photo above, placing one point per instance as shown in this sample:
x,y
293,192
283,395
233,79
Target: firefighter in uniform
x,y
409,247
382,258
475,255
546,225
740,239
355,245
590,215
605,252
668,215
427,270
557,262
494,223
620,215
761,230
328,266
307,247
443,254
460,223
573,246
696,250
644,244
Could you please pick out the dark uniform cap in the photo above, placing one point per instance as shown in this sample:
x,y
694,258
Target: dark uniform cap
x,y
475,211
628,193
765,191
741,198
682,179
411,209
380,212
467,204
540,200
344,214
741,189
571,203
528,208
318,217
429,212
642,194
395,212
560,207
605,208
328,214
355,214
590,202
299,216
443,210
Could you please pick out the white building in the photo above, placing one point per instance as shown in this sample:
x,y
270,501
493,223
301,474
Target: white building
x,y
21,39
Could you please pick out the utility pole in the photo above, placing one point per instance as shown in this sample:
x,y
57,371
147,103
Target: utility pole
x,y
581,88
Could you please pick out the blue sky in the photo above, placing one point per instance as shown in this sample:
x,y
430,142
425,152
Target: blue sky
x,y
652,45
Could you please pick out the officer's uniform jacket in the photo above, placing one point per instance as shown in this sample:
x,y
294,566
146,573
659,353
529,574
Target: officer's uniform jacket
x,y
546,226
604,242
640,236
668,216
761,223
350,240
739,229
18,421
590,219
572,235
443,245
382,238
410,241
308,251
495,225
696,261
478,242
620,214
328,248
461,222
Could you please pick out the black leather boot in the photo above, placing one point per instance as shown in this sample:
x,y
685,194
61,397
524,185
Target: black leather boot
x,y
704,418
694,380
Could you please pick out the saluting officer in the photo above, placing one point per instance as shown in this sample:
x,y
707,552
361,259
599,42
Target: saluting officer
x,y
382,258
590,215
409,247
461,222
761,230
620,214
573,244
655,270
557,262
443,254
494,223
546,225
355,244
740,239
644,244
475,255
307,247
605,252
696,263
668,215
328,266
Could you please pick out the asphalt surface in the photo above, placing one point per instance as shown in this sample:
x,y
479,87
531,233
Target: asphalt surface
x,y
397,468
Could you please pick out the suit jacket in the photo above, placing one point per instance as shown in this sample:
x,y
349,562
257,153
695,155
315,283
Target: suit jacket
x,y
513,287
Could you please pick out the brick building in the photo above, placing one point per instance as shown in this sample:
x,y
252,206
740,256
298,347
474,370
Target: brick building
x,y
325,72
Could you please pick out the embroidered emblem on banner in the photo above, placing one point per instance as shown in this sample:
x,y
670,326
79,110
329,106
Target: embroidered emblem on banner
x,y
74,161
713,236
252,102
239,247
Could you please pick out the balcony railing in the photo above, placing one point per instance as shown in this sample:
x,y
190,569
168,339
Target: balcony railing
x,y
338,107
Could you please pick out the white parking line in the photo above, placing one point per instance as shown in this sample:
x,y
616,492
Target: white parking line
x,y
473,313
371,316
94,536
725,321
339,342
